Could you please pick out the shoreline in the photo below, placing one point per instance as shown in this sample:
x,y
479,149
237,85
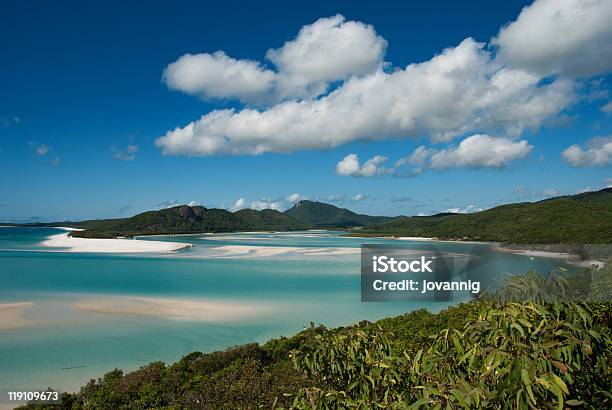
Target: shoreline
x,y
90,245
569,258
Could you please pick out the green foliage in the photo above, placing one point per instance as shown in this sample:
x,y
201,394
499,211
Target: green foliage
x,y
324,215
576,219
534,354
186,219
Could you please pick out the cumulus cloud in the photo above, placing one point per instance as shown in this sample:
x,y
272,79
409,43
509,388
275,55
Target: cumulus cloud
x,y
461,89
328,50
128,154
568,37
359,197
349,166
217,75
279,204
467,210
476,151
597,153
239,204
294,198
330,85
480,151
607,109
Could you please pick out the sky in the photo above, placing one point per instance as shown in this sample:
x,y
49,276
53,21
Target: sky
x,y
412,108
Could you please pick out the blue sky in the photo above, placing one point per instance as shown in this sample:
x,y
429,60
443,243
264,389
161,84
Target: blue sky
x,y
85,101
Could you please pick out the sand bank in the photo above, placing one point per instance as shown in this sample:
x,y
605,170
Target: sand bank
x,y
12,315
110,245
250,251
191,309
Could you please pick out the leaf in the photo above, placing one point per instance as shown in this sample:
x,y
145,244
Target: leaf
x,y
525,377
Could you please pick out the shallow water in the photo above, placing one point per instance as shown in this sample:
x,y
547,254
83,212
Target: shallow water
x,y
63,347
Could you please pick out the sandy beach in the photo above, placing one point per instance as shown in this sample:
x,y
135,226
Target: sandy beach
x,y
86,245
204,310
12,315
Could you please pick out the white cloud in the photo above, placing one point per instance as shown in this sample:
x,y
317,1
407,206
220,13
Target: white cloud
x,y
279,204
128,154
598,153
608,182
418,157
467,210
607,109
239,204
194,203
328,50
476,151
461,90
218,76
359,197
294,198
570,37
349,166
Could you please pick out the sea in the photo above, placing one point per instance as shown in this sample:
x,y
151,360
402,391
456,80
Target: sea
x,y
316,281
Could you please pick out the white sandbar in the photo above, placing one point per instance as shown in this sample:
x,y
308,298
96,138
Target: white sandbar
x,y
192,309
86,245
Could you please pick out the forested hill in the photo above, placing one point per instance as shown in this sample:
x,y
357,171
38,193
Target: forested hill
x,y
188,219
582,218
324,215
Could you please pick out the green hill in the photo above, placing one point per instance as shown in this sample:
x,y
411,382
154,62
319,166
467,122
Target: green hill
x,y
581,218
187,219
324,215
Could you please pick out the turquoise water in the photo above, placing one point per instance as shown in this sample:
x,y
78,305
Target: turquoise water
x,y
62,347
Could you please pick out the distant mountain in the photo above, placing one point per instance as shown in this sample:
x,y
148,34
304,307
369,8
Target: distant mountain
x,y
582,218
324,215
187,219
